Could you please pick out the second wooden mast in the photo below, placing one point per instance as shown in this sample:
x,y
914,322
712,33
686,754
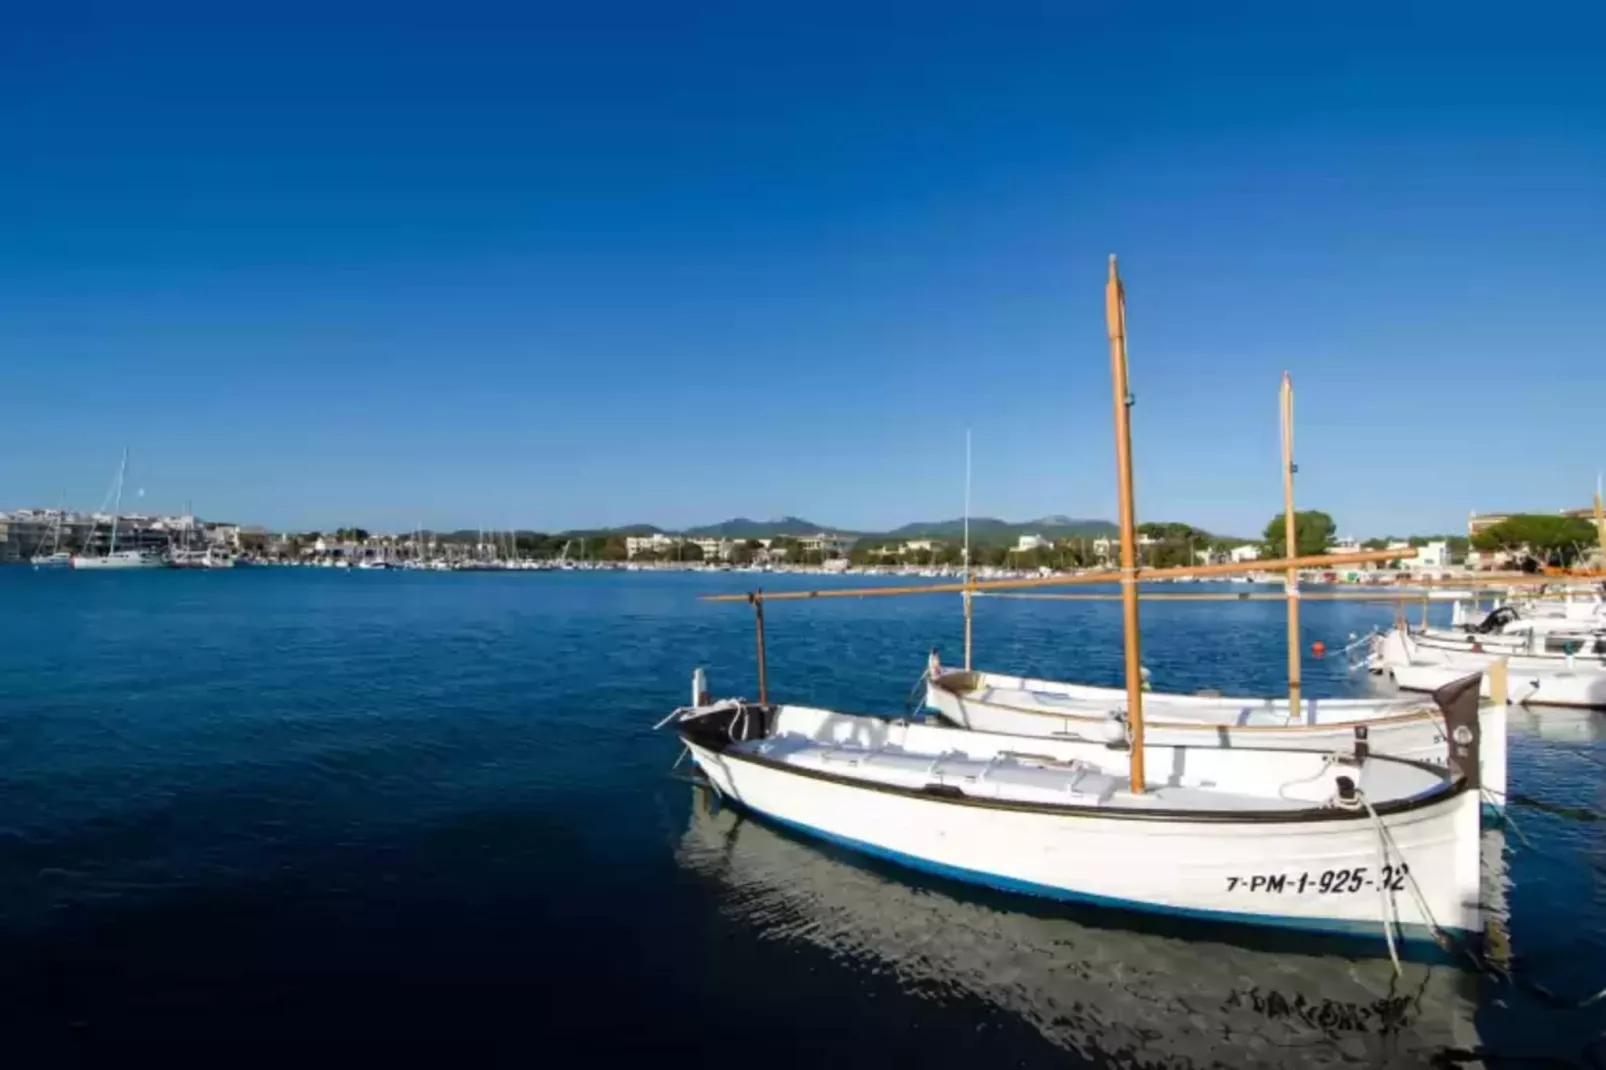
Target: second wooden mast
x,y
1290,534
1115,319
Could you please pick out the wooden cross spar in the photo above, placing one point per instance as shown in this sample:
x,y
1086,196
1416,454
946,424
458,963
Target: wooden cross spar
x,y
1360,557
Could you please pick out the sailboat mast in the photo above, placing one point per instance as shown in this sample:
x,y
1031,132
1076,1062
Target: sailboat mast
x,y
1115,320
969,574
117,506
1295,708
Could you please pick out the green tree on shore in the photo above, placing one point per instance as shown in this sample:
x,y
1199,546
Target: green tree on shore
x,y
1314,531
1552,540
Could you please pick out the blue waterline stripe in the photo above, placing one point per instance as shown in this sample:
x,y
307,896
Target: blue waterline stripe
x,y
1411,934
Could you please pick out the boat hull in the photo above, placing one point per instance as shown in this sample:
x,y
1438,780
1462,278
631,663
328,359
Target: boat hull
x,y
1548,681
1261,874
117,563
1395,648
1583,690
1247,837
1392,728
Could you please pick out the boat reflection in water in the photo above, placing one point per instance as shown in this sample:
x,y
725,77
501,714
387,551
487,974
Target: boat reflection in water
x,y
1136,998
1557,724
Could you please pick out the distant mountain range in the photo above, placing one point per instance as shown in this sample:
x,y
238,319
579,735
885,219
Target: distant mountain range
x,y
742,528
982,529
991,529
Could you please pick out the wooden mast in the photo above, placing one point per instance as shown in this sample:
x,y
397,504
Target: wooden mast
x,y
1295,709
756,598
1115,320
969,573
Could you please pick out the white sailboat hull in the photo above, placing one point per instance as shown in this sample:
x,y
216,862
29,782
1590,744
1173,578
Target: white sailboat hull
x,y
1014,705
118,560
1294,865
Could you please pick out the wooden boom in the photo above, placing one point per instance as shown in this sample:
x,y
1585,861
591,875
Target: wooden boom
x,y
1360,557
1211,596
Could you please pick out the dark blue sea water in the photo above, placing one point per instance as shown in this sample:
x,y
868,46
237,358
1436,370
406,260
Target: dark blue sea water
x,y
268,814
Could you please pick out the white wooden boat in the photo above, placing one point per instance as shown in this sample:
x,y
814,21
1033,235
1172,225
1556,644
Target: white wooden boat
x,y
1534,649
1542,654
1578,681
1520,621
1582,688
1351,843
1092,989
1017,705
1586,607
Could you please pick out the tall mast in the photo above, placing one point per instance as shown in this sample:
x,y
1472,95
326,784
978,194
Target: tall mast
x,y
117,506
1295,709
1115,320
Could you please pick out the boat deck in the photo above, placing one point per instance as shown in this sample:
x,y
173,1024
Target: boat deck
x,y
1022,777
1251,712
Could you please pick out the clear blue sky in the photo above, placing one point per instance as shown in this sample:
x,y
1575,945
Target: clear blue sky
x,y
580,264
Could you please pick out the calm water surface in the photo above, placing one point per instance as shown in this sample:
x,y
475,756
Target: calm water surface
x,y
274,813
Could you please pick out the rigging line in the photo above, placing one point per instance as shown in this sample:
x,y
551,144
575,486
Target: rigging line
x,y
1385,900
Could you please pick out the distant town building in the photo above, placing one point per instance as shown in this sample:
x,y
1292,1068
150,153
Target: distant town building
x,y
1247,552
715,549
1031,542
824,543
919,546
1107,550
656,543
1434,555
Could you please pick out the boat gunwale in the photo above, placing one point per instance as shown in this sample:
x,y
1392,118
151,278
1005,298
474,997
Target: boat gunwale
x,y
1595,657
1420,712
1448,790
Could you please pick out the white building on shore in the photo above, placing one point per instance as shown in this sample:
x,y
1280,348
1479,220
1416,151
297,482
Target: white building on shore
x,y
1247,552
656,543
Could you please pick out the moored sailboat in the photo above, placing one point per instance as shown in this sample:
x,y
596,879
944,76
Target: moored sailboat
x,y
1347,841
114,558
1351,843
998,702
1552,679
57,557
